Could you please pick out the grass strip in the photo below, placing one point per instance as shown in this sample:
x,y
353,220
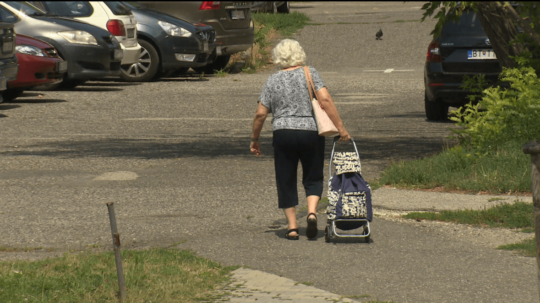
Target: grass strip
x,y
516,215
526,248
285,24
505,171
267,28
156,275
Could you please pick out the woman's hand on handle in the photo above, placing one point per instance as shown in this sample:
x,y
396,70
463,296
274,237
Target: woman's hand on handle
x,y
344,135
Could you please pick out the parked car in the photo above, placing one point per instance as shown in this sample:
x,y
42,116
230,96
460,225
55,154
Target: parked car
x,y
169,44
91,52
112,16
463,49
231,21
273,7
8,60
39,64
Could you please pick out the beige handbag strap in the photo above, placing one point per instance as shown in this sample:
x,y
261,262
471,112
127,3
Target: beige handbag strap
x,y
310,84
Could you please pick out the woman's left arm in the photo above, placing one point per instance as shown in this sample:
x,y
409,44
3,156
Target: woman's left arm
x,y
258,122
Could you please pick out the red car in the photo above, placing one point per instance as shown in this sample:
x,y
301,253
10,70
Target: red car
x,y
39,64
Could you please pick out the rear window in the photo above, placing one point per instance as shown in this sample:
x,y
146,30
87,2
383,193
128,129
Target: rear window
x,y
7,16
118,8
134,5
468,25
25,8
67,8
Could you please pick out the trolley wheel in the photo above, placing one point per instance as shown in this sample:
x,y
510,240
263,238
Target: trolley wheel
x,y
367,238
327,234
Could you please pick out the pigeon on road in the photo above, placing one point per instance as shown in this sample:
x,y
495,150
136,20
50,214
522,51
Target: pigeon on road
x,y
379,35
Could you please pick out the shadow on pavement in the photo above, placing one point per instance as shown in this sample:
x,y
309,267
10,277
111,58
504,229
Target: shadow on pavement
x,y
184,79
82,88
300,7
170,147
37,101
3,116
8,107
101,83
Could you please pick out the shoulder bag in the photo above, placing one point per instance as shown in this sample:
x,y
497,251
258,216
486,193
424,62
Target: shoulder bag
x,y
325,126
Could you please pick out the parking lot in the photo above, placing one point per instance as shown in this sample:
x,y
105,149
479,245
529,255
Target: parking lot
x,y
174,157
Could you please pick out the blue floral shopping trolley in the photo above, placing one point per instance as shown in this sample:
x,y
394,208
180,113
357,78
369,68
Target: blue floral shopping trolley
x,y
349,196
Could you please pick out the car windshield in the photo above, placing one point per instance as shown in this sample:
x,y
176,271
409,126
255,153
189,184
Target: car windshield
x,y
26,8
468,25
134,5
67,8
118,8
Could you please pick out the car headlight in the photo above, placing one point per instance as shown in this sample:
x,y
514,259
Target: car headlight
x,y
174,30
30,50
80,37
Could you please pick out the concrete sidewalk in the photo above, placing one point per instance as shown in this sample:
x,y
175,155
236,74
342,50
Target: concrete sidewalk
x,y
417,200
256,286
250,285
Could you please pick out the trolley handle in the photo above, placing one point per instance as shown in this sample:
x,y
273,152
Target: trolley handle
x,y
332,154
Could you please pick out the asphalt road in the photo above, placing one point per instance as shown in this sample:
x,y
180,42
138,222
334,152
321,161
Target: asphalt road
x,y
174,157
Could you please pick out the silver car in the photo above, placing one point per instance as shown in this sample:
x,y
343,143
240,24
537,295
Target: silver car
x,y
90,51
231,21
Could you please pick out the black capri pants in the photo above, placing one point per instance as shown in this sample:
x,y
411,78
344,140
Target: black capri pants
x,y
291,146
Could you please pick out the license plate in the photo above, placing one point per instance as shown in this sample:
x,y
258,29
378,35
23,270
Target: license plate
x,y
481,54
61,66
205,47
7,47
118,54
3,83
237,14
131,33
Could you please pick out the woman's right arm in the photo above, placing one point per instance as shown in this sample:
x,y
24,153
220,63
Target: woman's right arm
x,y
323,96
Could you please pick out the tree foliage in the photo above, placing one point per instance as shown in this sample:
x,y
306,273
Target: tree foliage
x,y
500,21
502,116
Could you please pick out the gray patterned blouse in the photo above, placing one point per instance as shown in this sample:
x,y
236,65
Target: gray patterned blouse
x,y
286,95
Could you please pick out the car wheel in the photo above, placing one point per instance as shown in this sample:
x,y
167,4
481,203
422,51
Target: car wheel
x,y
435,110
11,94
284,8
218,64
147,66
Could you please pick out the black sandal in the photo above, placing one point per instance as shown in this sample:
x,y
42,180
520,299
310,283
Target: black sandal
x,y
288,236
311,226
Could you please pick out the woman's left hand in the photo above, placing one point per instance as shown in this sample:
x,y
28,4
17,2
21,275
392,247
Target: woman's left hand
x,y
255,148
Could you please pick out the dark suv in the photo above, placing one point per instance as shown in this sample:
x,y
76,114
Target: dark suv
x,y
463,49
230,19
9,65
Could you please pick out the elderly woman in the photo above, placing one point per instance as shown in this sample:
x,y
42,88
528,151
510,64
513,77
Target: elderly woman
x,y
295,136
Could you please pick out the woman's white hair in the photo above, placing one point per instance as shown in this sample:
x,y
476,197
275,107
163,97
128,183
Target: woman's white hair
x,y
288,53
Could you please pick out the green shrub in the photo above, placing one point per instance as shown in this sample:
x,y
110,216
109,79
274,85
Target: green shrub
x,y
502,115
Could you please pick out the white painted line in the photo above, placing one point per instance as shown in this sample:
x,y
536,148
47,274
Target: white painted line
x,y
388,70
117,176
188,118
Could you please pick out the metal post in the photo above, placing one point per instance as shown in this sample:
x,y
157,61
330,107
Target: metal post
x,y
533,148
117,254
